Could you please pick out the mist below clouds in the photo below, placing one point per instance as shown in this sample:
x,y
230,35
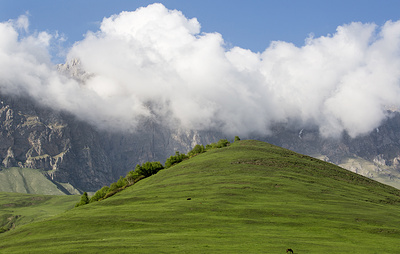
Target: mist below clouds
x,y
156,63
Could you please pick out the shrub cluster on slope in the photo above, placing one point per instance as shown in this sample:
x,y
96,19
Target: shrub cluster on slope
x,y
147,169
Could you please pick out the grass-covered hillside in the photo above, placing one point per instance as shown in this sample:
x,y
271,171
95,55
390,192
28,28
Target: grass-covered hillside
x,y
250,197
18,209
32,181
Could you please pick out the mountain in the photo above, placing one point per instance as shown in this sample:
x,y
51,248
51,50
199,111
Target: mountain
x,y
75,154
69,151
36,137
250,197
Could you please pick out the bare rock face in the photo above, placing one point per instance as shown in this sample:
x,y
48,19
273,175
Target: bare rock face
x,y
35,137
9,161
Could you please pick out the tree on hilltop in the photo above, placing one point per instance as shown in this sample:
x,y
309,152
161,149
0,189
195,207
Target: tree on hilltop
x,y
197,149
174,159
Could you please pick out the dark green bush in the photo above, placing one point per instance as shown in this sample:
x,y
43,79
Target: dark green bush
x,y
148,168
84,200
113,187
132,177
196,150
221,143
122,182
174,159
100,194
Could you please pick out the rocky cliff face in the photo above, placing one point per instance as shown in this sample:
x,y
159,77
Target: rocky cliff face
x,y
37,137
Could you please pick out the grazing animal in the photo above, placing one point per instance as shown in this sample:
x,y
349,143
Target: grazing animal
x,y
289,250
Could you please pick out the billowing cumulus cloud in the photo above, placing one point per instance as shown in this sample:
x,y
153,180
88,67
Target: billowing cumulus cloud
x,y
156,63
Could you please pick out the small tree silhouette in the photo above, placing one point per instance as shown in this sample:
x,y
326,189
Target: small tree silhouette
x,y
84,200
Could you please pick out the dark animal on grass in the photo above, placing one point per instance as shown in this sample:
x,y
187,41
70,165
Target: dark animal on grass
x,y
289,250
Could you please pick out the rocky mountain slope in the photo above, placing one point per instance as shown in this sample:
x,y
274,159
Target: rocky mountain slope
x,y
36,137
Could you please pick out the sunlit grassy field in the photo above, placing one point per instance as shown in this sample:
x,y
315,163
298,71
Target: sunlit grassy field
x,y
250,197
18,209
26,180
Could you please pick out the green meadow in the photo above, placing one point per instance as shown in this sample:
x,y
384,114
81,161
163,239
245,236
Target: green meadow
x,y
249,197
26,180
32,181
18,209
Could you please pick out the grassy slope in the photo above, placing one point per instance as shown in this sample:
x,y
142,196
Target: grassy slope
x,y
18,209
248,198
26,180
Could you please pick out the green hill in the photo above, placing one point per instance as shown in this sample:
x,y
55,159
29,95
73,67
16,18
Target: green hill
x,y
250,197
18,209
32,181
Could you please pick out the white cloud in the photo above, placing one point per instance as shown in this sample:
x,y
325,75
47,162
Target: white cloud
x,y
22,22
155,62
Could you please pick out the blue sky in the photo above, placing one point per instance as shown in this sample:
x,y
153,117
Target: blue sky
x,y
247,24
